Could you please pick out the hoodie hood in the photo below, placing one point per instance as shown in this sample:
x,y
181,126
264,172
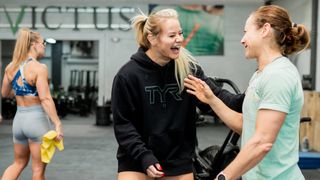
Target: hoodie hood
x,y
143,59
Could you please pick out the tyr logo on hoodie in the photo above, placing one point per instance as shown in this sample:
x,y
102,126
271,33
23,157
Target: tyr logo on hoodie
x,y
169,90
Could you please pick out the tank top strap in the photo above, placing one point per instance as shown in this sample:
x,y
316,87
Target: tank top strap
x,y
22,65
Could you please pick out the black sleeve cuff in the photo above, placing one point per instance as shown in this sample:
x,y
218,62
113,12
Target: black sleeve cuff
x,y
147,160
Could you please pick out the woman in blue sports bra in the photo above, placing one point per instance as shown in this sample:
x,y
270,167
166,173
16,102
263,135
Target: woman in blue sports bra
x,y
27,80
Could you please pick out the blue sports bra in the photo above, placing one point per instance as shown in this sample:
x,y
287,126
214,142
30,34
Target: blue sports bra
x,y
26,89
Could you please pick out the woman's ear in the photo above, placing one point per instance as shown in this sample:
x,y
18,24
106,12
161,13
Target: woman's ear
x,y
33,47
152,39
266,29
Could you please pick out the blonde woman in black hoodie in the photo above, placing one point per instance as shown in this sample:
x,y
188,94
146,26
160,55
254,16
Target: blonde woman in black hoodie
x,y
154,118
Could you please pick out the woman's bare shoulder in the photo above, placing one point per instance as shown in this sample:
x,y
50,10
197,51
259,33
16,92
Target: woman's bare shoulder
x,y
38,66
10,69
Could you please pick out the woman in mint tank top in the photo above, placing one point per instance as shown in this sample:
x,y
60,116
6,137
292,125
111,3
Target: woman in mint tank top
x,y
269,124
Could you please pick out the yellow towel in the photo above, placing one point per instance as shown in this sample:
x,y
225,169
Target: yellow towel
x,y
48,146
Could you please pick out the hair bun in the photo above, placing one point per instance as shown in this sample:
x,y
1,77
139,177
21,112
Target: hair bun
x,y
294,24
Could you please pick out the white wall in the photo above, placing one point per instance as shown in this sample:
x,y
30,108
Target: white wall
x,y
113,54
117,54
300,12
233,64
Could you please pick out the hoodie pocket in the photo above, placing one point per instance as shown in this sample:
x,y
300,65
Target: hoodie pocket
x,y
166,146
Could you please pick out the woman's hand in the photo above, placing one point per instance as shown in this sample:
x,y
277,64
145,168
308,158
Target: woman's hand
x,y
59,132
155,171
198,88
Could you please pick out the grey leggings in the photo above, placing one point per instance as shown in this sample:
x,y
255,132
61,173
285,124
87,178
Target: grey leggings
x,y
30,123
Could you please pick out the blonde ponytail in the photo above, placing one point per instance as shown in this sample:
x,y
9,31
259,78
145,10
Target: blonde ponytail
x,y
23,43
138,23
183,67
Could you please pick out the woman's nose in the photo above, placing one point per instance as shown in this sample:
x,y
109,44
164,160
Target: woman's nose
x,y
242,41
179,38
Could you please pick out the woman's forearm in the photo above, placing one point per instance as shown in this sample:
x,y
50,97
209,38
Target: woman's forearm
x,y
250,155
231,118
50,109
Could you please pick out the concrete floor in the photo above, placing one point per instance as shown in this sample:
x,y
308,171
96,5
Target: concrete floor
x,y
90,150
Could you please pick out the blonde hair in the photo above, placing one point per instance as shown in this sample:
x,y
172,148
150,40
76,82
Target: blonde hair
x,y
151,24
24,41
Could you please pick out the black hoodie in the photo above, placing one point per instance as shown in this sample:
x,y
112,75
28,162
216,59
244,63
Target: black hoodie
x,y
153,122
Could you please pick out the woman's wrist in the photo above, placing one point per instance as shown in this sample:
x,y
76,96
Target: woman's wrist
x,y
58,125
213,101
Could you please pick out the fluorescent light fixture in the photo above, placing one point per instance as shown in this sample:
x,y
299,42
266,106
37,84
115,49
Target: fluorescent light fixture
x,y
51,41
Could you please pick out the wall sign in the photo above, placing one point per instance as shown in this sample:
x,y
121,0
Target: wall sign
x,y
72,17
